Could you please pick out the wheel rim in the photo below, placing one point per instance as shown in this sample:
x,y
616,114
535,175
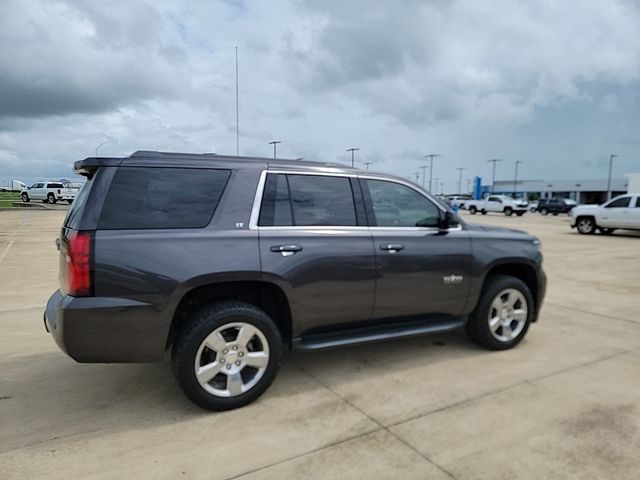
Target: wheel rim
x,y
232,359
585,225
508,315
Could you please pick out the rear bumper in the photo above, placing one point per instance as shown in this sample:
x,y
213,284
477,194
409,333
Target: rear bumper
x,y
105,329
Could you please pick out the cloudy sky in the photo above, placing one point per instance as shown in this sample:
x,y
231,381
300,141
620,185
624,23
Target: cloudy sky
x,y
553,83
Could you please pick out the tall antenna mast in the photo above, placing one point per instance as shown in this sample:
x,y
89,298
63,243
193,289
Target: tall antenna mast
x,y
237,114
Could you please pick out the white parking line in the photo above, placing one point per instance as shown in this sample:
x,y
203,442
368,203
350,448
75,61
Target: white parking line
x,y
5,251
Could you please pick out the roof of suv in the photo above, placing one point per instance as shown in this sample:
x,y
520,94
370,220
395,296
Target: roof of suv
x,y
144,158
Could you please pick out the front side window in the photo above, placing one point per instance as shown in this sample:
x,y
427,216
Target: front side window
x,y
638,202
396,205
307,200
622,202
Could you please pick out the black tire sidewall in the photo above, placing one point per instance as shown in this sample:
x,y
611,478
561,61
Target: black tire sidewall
x,y
472,210
478,325
193,334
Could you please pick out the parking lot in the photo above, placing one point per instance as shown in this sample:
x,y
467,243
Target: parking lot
x,y
564,404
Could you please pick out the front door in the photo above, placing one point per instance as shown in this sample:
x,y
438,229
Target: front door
x,y
315,245
494,204
37,191
615,214
420,269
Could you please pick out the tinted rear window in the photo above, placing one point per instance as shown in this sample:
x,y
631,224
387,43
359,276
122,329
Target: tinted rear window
x,y
75,211
307,200
141,197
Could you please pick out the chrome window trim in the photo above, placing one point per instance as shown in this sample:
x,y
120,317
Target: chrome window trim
x,y
257,203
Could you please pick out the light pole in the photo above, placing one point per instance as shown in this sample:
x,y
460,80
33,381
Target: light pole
x,y
103,143
515,179
493,181
366,164
424,175
460,170
352,150
274,143
431,156
417,174
436,187
611,157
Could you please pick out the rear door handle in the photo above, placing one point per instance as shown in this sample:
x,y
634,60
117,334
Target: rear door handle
x,y
286,250
392,247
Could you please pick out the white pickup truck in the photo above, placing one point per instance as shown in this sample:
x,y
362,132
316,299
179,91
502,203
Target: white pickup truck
x,y
49,192
621,212
497,203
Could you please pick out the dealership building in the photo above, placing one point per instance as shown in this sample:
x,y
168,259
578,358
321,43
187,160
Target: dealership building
x,y
582,191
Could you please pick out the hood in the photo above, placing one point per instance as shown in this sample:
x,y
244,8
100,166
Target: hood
x,y
584,208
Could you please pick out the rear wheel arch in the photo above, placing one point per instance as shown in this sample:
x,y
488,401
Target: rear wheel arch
x,y
266,296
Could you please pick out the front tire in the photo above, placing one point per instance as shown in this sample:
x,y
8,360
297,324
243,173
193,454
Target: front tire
x,y
227,355
503,314
25,198
607,231
472,210
483,211
519,213
544,211
508,211
586,225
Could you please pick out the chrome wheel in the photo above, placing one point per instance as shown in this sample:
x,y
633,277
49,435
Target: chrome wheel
x,y
508,315
232,359
586,225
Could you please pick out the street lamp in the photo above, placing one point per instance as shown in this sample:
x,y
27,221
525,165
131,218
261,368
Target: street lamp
x,y
460,170
352,150
366,164
274,143
417,174
611,157
515,179
424,175
103,143
493,181
431,156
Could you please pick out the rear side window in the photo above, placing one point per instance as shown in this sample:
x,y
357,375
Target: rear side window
x,y
307,200
141,198
54,185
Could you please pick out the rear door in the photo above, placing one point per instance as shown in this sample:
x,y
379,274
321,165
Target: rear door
x,y
420,270
314,244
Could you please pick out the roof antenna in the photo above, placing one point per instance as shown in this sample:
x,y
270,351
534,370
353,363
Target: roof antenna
x,y
237,115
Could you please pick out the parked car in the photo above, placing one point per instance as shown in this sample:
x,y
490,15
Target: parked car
x,y
555,205
48,192
622,212
457,201
497,203
265,255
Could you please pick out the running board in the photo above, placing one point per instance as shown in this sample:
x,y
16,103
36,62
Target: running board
x,y
377,333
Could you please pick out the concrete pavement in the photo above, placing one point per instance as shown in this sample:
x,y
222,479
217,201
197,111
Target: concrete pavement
x,y
563,404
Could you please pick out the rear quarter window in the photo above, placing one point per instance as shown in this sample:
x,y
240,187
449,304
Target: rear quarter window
x,y
144,198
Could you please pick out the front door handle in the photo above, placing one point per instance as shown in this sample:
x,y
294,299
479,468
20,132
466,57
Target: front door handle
x,y
392,247
286,250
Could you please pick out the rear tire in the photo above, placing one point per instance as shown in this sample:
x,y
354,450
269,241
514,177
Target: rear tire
x,y
586,225
473,210
25,197
51,198
503,314
69,202
241,367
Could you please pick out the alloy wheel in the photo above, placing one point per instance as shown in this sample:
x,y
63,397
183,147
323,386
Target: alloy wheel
x,y
232,359
508,314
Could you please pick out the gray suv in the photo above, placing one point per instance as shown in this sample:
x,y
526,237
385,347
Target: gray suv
x,y
225,262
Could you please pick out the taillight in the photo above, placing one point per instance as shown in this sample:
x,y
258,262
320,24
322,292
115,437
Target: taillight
x,y
79,264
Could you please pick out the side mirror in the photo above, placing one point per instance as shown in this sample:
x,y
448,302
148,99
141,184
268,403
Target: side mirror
x,y
447,219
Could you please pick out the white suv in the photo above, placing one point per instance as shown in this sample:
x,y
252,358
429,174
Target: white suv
x,y
619,212
49,192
